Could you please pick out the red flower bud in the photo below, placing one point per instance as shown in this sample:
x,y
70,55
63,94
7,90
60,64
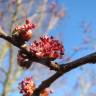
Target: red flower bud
x,y
23,32
27,35
27,21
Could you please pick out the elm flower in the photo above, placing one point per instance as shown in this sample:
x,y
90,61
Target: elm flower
x,y
27,86
47,47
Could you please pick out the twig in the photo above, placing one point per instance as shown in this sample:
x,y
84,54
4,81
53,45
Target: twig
x,y
91,58
61,69
2,33
52,66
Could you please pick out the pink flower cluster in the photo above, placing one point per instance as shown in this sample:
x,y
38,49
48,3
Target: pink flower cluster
x,y
24,32
47,47
26,26
27,86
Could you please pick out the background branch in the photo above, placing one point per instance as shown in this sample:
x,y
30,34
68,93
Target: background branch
x,y
11,55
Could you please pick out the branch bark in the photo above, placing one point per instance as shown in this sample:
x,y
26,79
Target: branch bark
x,y
60,69
91,58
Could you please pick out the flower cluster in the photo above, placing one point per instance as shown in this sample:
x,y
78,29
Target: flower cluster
x,y
23,32
23,60
25,27
27,86
47,47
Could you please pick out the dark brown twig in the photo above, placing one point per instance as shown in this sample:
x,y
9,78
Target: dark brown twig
x,y
61,69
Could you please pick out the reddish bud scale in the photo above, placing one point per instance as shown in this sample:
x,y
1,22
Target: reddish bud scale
x,y
46,92
27,35
47,47
23,60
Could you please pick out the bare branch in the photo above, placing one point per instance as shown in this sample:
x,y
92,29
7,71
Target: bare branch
x,y
61,69
52,66
91,58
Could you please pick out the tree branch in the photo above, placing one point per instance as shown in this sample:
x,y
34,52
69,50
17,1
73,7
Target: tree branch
x,y
61,69
52,66
91,58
